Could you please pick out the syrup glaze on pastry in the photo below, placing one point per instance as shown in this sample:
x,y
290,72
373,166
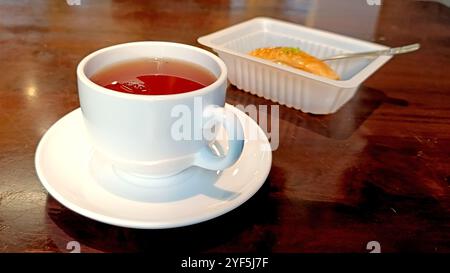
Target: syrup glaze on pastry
x,y
296,58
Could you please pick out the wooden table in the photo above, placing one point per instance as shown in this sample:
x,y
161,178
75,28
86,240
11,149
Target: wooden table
x,y
377,170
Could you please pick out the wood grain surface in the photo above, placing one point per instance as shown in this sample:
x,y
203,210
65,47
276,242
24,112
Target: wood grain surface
x,y
377,170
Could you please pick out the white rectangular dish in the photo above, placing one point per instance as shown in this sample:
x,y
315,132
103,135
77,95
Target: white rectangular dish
x,y
286,85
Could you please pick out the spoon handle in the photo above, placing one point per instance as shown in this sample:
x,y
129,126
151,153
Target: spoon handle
x,y
387,52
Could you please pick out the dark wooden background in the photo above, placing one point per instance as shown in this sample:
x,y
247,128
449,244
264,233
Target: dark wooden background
x,y
379,169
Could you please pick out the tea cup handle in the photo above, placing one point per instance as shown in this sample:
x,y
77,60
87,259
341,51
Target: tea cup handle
x,y
205,158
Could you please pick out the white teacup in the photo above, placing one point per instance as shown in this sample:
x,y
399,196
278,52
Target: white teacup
x,y
135,132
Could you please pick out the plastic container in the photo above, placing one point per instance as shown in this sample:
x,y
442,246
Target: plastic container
x,y
290,86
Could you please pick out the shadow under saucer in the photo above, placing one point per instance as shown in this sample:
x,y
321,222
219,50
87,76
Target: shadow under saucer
x,y
186,184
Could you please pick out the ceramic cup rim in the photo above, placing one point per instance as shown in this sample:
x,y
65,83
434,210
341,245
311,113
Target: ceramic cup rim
x,y
221,78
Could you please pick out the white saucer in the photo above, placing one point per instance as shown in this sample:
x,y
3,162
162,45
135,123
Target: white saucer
x,y
83,182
